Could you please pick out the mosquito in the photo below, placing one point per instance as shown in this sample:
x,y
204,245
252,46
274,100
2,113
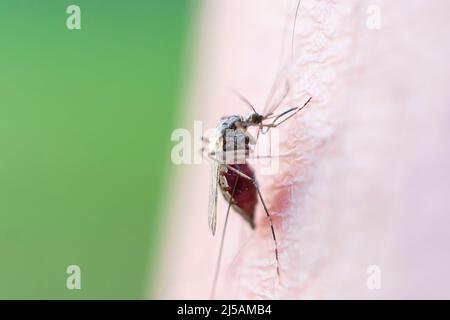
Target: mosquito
x,y
229,151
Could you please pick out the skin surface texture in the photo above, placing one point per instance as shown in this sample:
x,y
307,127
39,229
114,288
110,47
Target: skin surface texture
x,y
369,181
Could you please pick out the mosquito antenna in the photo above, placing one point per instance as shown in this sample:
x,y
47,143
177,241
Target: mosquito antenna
x,y
245,100
219,259
293,29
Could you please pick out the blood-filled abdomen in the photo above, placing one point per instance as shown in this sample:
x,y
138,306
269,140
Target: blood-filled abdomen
x,y
243,199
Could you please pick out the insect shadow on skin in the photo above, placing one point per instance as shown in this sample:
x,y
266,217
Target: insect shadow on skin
x,y
229,151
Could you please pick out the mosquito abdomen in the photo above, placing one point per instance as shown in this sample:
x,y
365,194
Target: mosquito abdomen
x,y
245,195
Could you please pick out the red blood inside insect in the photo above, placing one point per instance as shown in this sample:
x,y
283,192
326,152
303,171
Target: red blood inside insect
x,y
244,197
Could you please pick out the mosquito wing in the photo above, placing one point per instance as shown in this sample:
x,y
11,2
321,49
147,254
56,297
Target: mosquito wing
x,y
212,207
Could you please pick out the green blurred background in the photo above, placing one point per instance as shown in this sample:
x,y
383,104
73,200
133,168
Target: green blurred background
x,y
85,123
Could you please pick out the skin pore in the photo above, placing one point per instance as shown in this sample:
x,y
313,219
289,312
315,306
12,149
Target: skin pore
x,y
370,180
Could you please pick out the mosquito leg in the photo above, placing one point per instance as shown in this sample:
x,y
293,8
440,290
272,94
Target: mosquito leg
x,y
294,111
267,214
271,225
271,156
274,123
264,205
293,30
219,259
212,154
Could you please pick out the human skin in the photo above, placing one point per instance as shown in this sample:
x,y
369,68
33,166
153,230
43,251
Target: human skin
x,y
369,181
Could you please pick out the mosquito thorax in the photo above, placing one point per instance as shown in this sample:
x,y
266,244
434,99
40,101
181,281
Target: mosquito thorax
x,y
230,123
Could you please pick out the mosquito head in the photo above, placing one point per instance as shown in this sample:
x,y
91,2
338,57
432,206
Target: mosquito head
x,y
254,119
